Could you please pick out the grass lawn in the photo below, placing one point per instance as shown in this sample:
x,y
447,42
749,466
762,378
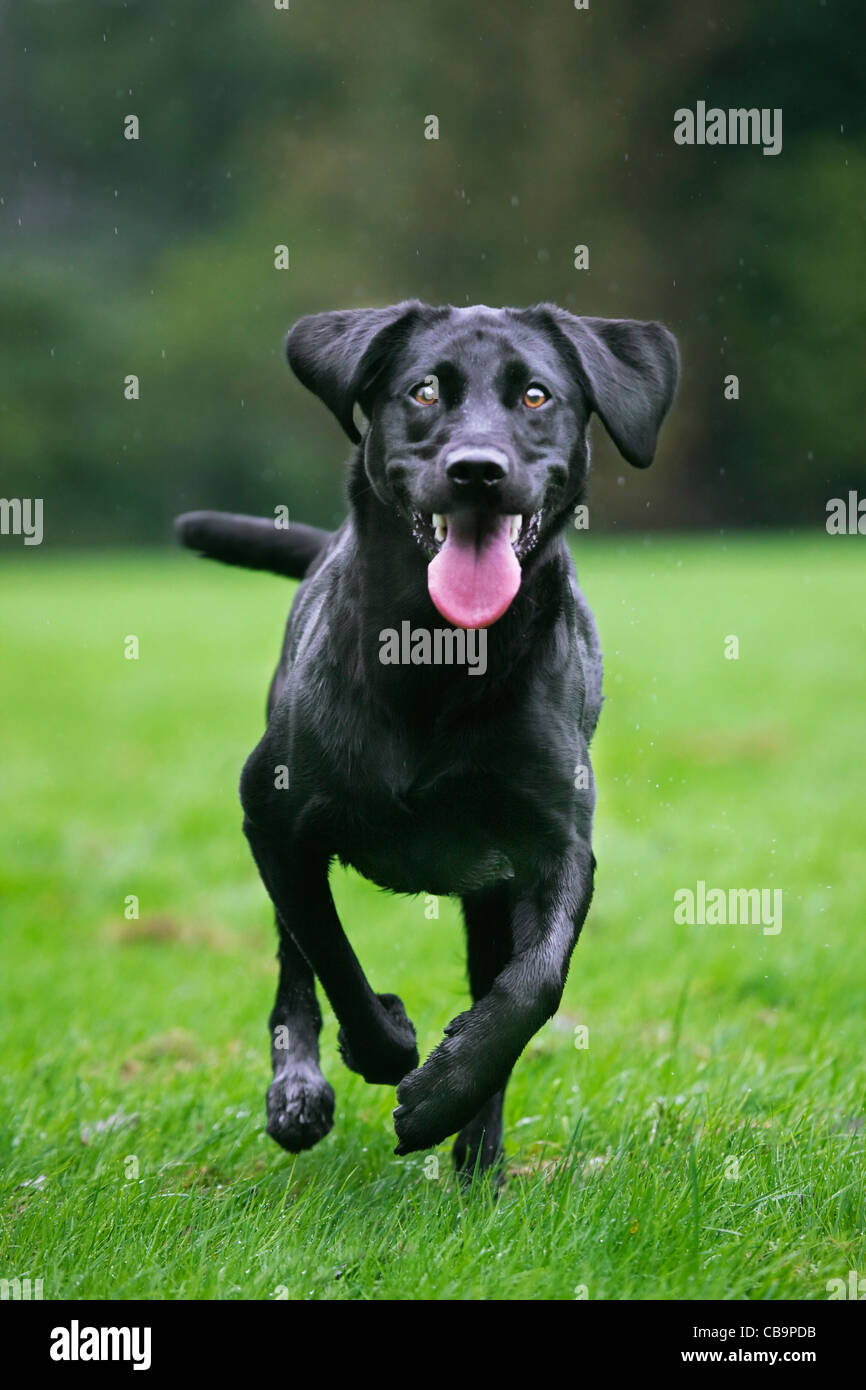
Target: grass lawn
x,y
709,1140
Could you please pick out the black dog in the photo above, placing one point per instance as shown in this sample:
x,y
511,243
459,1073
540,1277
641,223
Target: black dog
x,y
424,779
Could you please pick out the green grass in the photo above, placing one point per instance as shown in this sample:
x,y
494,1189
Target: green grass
x,y
134,1158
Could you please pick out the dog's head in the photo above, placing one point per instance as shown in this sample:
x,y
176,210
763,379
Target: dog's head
x,y
477,424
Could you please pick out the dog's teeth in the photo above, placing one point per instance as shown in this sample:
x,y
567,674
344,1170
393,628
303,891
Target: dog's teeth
x,y
516,528
440,526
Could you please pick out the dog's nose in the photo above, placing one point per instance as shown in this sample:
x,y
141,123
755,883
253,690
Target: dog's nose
x,y
476,468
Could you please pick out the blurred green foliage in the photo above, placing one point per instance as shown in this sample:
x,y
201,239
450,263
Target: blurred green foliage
x,y
305,126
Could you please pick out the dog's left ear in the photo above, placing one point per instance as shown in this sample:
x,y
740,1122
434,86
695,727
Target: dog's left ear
x,y
337,355
629,371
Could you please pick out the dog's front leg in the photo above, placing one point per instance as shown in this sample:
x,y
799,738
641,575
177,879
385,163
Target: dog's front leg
x,y
376,1037
481,1046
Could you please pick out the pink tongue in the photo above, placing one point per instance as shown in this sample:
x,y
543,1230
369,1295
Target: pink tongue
x,y
472,584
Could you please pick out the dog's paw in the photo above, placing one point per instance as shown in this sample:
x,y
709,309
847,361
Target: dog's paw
x,y
389,1060
300,1108
446,1093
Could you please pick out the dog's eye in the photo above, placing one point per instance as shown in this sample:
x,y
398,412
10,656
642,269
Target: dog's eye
x,y
534,396
426,392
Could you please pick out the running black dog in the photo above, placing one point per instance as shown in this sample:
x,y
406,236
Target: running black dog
x,y
473,458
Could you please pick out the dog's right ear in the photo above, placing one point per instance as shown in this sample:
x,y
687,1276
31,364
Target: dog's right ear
x,y
336,354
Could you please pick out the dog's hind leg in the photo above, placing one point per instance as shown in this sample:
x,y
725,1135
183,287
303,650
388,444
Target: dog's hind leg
x,y
300,1102
489,946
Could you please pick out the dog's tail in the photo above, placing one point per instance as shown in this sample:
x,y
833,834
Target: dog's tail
x,y
252,541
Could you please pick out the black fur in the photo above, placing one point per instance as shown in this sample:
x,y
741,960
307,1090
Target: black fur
x,y
423,778
251,541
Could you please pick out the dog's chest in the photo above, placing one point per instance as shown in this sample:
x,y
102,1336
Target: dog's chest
x,y
425,840
428,793
439,827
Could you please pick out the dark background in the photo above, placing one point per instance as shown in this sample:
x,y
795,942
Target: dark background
x,y
306,127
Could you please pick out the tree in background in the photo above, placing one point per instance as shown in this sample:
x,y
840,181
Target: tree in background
x,y
305,127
